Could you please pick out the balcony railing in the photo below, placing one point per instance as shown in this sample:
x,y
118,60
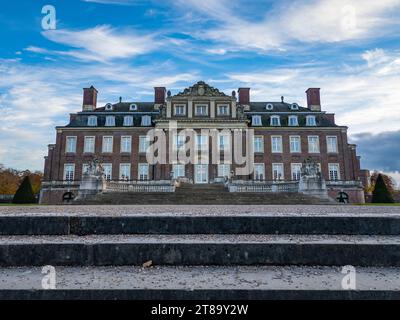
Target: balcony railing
x,y
263,186
140,186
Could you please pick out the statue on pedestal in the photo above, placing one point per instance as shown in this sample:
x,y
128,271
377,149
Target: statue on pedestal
x,y
93,181
311,180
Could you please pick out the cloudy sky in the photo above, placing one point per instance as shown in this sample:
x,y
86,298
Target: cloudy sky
x,y
348,48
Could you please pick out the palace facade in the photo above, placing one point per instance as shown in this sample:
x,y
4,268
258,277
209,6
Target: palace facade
x,y
283,136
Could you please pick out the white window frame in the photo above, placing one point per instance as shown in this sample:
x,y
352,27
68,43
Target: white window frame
x,y
275,173
179,142
294,106
292,144
86,144
178,170
296,174
259,175
144,143
224,170
107,173
126,147
70,148
273,149
334,174
224,142
133,107
146,121
128,121
110,121
70,174
256,120
296,122
202,138
109,107
312,123
310,144
143,175
204,107
178,107
275,118
329,145
104,145
125,171
225,107
259,146
92,121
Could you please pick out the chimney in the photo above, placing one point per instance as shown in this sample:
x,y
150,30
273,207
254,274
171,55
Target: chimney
x,y
159,95
244,96
89,99
313,99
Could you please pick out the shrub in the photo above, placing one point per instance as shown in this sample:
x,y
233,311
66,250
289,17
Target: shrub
x,y
24,193
381,193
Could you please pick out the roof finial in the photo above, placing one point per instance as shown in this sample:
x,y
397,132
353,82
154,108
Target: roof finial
x,y
282,99
120,99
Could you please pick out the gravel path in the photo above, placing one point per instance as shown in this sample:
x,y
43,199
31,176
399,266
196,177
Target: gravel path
x,y
191,278
214,210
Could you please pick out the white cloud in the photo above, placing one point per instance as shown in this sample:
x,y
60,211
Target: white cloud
x,y
116,2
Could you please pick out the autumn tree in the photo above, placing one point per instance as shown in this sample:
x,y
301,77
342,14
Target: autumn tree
x,y
389,182
10,179
381,193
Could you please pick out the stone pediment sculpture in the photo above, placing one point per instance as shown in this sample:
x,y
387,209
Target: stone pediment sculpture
x,y
201,89
310,169
94,168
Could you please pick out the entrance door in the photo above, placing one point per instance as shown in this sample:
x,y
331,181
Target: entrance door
x,y
201,173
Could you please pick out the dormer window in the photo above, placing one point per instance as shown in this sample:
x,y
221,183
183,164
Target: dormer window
x,y
293,121
109,107
310,121
275,121
179,110
294,106
92,121
201,110
146,121
133,107
256,120
110,121
223,110
269,107
128,121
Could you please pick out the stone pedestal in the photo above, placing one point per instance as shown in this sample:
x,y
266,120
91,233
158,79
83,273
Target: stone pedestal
x,y
311,181
90,186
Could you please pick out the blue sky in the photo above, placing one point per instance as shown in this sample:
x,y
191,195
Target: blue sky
x,y
349,48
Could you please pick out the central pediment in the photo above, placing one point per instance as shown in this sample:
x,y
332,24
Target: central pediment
x,y
201,89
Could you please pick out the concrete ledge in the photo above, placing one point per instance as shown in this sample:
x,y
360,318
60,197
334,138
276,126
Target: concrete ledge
x,y
86,225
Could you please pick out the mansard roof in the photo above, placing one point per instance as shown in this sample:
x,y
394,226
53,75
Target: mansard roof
x,y
277,107
125,107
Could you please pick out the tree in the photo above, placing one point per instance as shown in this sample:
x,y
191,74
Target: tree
x,y
381,194
24,193
389,181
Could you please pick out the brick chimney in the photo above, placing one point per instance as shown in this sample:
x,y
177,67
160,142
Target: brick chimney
x,y
89,99
313,99
244,96
159,95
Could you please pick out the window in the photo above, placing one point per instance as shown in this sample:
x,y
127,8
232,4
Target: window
x,y
144,143
295,144
313,144
293,121
275,121
179,142
146,121
276,144
201,142
259,171
107,171
201,110
125,171
296,171
331,143
277,171
179,170
180,110
334,173
223,110
69,172
269,106
310,121
126,144
224,144
110,121
143,171
107,144
70,146
92,121
128,121
109,107
294,106
258,144
224,170
88,146
133,107
256,121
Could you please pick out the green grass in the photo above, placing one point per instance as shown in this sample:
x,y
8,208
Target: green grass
x,y
18,205
397,204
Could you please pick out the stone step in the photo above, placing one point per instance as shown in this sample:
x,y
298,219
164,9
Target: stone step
x,y
200,283
103,250
267,223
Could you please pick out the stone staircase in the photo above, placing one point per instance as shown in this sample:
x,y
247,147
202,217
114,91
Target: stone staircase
x,y
198,194
197,256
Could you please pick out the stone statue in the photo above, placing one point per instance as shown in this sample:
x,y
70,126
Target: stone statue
x,y
311,181
310,169
240,112
93,181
